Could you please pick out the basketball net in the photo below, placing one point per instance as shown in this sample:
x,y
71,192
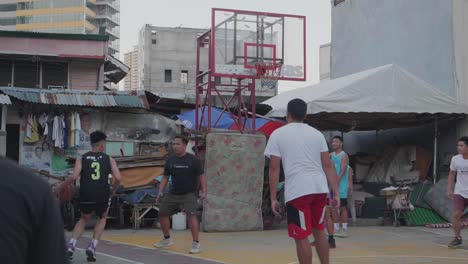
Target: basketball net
x,y
268,74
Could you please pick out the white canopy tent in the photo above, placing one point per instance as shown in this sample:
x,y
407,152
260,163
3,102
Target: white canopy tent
x,y
381,98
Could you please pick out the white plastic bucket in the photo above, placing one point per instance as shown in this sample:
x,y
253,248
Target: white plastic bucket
x,y
179,221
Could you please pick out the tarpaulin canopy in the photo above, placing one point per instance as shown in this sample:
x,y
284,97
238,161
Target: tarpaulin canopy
x,y
219,119
226,121
380,98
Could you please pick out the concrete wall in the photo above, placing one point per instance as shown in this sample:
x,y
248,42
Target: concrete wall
x,y
460,36
53,47
416,34
324,61
84,75
175,49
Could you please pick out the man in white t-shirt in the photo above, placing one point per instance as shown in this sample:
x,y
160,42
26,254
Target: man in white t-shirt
x,y
459,169
309,173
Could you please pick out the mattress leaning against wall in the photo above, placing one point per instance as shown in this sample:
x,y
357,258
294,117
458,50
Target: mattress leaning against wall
x,y
234,169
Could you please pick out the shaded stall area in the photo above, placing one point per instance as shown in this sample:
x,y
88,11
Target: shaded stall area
x,y
379,99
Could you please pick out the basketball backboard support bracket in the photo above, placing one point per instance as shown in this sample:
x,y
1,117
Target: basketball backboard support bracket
x,y
242,47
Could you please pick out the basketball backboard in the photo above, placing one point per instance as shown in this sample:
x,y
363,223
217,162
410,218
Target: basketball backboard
x,y
244,40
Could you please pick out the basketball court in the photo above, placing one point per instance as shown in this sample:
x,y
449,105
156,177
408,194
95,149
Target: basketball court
x,y
381,245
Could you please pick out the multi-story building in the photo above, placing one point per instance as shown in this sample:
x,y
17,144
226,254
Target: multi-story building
x,y
167,63
131,60
59,16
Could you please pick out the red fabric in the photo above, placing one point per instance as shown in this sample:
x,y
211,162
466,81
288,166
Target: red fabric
x,y
270,127
266,129
312,207
460,203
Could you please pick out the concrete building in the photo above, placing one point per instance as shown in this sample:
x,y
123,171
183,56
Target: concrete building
x,y
131,60
54,75
426,37
58,16
324,61
429,38
167,63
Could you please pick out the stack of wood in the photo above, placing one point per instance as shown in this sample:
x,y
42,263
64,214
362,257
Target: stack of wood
x,y
139,161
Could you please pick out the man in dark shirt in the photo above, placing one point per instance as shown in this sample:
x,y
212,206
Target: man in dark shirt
x,y
186,172
94,168
31,229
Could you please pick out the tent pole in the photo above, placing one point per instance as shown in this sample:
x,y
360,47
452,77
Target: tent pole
x,y
436,131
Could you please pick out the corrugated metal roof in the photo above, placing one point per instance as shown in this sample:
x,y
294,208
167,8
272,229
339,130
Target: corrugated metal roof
x,y
4,99
130,99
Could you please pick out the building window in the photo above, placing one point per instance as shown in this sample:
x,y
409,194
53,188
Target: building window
x,y
153,41
218,80
201,79
7,7
184,77
168,76
54,75
8,21
27,74
5,73
337,2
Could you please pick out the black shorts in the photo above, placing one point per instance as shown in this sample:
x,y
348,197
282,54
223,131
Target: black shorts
x,y
98,208
343,202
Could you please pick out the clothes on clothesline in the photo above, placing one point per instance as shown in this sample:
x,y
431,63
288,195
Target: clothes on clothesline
x,y
59,130
32,133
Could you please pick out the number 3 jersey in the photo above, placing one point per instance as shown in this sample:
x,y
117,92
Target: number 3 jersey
x,y
94,180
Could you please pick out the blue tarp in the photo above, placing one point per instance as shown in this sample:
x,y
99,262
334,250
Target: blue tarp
x,y
188,118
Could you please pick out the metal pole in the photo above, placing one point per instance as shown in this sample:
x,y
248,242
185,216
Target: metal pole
x,y
253,103
4,117
197,86
436,132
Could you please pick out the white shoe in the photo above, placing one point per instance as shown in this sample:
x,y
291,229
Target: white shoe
x,y
342,233
195,248
164,243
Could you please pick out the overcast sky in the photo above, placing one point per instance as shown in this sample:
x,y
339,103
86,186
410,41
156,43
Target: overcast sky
x,y
197,13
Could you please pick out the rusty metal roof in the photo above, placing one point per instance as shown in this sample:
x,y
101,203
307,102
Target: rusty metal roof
x,y
128,99
4,99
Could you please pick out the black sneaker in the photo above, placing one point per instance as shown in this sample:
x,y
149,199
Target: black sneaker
x,y
456,243
331,242
91,253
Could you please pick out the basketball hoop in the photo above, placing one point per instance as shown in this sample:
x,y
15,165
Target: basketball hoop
x,y
268,74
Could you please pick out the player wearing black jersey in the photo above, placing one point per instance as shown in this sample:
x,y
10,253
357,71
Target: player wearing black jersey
x,y
94,169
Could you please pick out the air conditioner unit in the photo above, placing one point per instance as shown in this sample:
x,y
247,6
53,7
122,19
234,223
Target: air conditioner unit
x,y
55,87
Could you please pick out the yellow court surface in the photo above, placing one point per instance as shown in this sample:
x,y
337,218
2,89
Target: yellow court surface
x,y
366,245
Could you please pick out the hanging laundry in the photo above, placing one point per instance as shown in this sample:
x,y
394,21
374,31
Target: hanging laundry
x,y
77,129
58,129
71,139
29,126
33,137
43,124
50,128
55,130
65,131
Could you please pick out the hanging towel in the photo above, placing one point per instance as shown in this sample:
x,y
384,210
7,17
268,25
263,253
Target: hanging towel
x,y
71,138
33,130
77,129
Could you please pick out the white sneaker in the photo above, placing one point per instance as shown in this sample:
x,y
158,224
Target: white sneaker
x,y
195,248
164,243
343,233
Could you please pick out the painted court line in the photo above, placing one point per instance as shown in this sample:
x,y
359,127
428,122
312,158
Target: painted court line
x,y
166,251
110,256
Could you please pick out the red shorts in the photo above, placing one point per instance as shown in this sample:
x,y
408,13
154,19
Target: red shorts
x,y
460,203
306,213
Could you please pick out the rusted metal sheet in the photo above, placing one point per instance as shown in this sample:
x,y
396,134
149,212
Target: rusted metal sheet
x,y
128,99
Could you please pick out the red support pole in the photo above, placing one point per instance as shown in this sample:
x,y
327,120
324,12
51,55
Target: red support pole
x,y
239,104
253,103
